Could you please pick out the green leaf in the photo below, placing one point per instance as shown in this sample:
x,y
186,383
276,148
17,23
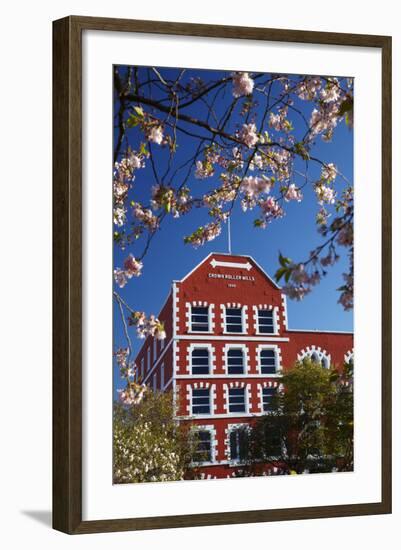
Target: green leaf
x,y
279,273
138,110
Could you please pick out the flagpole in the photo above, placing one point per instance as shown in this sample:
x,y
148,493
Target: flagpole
x,y
229,234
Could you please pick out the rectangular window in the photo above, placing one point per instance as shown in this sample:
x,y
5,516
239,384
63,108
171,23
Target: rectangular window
x,y
239,444
235,361
234,319
201,401
268,361
142,368
266,321
148,365
236,400
200,319
267,397
200,361
203,446
155,382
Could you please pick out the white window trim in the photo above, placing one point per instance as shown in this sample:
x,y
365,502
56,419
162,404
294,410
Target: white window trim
x,y
154,350
148,361
213,444
349,356
244,318
210,311
269,384
162,376
248,398
310,350
212,398
212,359
277,352
276,324
245,352
230,428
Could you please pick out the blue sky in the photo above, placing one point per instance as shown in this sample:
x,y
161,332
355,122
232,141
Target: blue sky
x,y
294,235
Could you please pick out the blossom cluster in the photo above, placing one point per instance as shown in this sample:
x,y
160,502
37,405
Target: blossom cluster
x,y
132,268
123,176
243,84
204,234
147,326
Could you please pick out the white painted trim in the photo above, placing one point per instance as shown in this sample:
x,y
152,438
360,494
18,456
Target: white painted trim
x,y
244,318
210,316
212,398
268,384
224,376
264,307
220,415
311,350
245,351
234,338
322,331
277,352
237,385
240,265
212,359
213,443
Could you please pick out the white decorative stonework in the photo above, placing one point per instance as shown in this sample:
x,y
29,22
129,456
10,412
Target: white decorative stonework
x,y
315,351
212,357
285,315
244,314
200,386
277,352
176,310
349,356
245,352
199,303
248,396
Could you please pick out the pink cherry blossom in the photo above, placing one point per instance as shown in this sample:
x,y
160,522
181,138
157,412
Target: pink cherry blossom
x,y
293,193
248,134
132,267
242,84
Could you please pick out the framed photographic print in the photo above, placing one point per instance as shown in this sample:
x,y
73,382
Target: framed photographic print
x,y
222,275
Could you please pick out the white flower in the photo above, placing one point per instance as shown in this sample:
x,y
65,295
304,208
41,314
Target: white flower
x,y
329,172
293,193
325,194
242,84
155,134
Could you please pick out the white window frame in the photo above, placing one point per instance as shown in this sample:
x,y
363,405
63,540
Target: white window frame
x,y
277,353
246,399
245,352
244,324
154,382
274,310
231,428
213,444
189,318
275,388
210,413
209,349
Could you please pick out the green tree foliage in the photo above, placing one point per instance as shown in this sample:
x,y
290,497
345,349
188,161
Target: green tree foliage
x,y
149,445
310,424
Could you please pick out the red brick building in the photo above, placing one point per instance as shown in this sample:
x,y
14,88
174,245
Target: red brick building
x,y
227,344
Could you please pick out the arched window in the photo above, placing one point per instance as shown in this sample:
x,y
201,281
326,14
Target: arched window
x,y
317,355
200,360
235,361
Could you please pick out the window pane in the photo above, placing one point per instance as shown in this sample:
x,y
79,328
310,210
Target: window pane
x,y
233,319
236,399
267,397
268,361
201,401
200,319
266,321
203,447
200,361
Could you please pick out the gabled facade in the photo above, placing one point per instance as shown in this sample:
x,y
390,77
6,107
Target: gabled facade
x,y
227,344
